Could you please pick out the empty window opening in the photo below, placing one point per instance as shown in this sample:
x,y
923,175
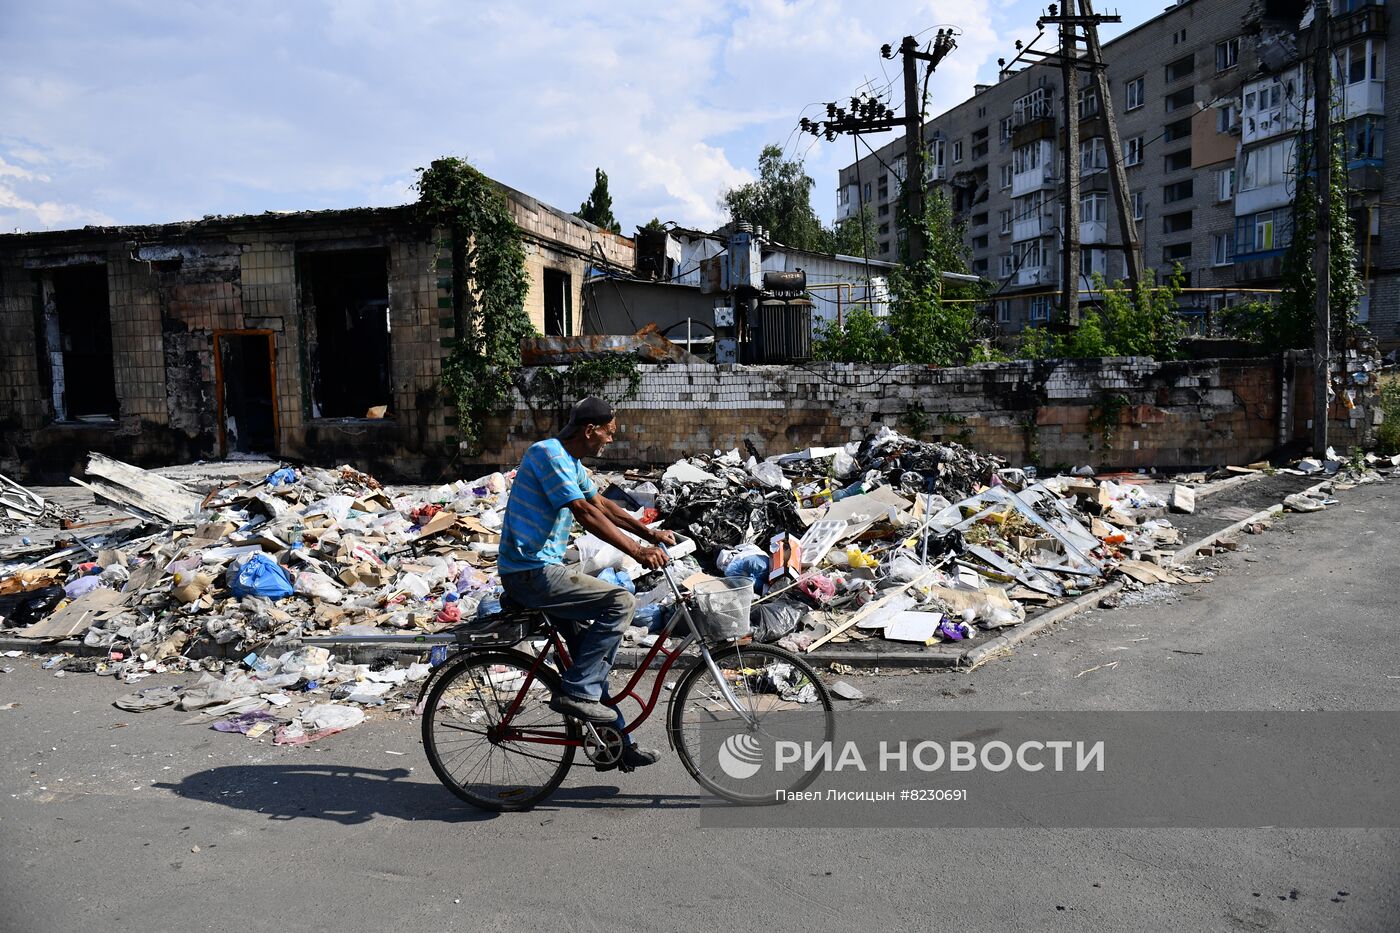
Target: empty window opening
x,y
558,311
75,340
345,298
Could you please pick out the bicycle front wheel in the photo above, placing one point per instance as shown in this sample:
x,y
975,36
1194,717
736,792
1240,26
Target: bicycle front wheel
x,y
730,752
489,765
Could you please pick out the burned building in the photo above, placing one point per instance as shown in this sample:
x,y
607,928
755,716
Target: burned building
x,y
309,336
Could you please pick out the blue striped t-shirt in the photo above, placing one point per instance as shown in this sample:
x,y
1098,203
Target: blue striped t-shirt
x,y
535,532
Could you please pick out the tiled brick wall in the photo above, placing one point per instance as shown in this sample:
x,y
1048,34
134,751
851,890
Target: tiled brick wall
x,y
1120,412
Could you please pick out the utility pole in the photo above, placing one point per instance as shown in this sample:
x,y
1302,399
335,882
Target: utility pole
x,y
1322,253
1069,237
872,116
1127,226
1071,63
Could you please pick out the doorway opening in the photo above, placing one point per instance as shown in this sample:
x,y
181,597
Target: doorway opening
x,y
246,373
75,332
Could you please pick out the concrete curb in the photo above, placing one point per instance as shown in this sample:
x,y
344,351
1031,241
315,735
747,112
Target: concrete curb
x,y
1210,489
974,658
1273,511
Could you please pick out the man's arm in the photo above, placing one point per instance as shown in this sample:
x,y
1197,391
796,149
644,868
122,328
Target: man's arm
x,y
599,520
623,519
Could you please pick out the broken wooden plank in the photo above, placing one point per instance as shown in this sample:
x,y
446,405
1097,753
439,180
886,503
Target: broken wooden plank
x,y
141,489
74,618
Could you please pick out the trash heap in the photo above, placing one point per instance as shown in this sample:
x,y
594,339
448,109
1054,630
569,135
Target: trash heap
x,y
891,538
22,509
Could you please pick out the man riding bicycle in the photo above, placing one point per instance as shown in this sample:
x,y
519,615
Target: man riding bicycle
x,y
552,489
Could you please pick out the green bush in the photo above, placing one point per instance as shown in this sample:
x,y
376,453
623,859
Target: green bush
x,y
1388,437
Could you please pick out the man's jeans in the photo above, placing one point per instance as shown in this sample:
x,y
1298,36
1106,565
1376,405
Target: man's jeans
x,y
600,613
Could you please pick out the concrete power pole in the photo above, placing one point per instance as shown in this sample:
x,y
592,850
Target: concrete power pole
x,y
913,148
1069,236
1322,255
1127,226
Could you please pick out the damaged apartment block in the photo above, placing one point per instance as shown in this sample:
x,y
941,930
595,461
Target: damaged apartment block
x,y
306,336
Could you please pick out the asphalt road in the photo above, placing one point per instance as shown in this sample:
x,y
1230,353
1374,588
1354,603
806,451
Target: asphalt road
x,y
130,821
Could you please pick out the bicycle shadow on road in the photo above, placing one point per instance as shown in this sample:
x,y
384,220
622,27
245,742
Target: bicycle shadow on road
x,y
339,793
610,797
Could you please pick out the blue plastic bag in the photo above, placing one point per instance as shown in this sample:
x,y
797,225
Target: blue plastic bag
x,y
754,566
283,477
262,576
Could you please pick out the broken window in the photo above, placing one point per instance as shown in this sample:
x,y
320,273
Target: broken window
x,y
558,316
75,343
345,320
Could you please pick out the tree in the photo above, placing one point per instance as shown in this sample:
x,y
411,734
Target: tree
x,y
1289,324
597,210
860,338
854,235
651,226
926,327
1141,320
780,202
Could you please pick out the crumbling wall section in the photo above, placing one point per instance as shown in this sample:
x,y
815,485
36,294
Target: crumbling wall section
x,y
1112,413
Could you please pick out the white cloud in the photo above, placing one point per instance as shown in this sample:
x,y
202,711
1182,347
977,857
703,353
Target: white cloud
x,y
158,113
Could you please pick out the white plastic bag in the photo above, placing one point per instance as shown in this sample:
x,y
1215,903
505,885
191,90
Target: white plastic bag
x,y
332,716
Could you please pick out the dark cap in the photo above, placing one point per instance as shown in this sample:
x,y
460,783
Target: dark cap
x,y
591,410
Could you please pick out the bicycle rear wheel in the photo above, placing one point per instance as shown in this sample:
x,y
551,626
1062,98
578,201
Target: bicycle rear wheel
x,y
464,742
732,755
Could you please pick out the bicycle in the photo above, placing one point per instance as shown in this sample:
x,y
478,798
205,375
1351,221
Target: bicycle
x,y
493,741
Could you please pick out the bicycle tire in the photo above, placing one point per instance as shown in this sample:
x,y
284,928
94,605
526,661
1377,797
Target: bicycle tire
x,y
459,762
699,753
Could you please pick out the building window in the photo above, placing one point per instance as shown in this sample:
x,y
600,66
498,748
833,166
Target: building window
x,y
1227,54
884,247
867,192
558,304
1007,128
1176,223
1365,138
884,229
1088,102
1008,265
957,151
1137,205
1181,68
1092,155
75,338
1005,222
1179,37
1040,309
883,210
1093,208
1032,106
1264,231
345,320
1005,176
1132,151
1225,184
1178,191
1227,119
979,242
1177,252
1267,165
1137,93
1030,255
979,266
1223,248
1026,158
981,112
1004,307
1185,97
1180,129
1360,61
1177,161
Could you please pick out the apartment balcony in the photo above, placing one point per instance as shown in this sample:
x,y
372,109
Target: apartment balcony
x,y
1037,179
1266,124
1265,198
1093,231
1038,275
1359,100
1367,20
848,204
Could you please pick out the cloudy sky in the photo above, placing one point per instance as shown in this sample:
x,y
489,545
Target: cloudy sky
x,y
131,112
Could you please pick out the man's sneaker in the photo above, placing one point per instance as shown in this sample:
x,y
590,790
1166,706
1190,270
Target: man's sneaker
x,y
634,758
579,708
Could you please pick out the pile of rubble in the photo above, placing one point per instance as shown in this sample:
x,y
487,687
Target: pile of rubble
x,y
22,509
890,538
